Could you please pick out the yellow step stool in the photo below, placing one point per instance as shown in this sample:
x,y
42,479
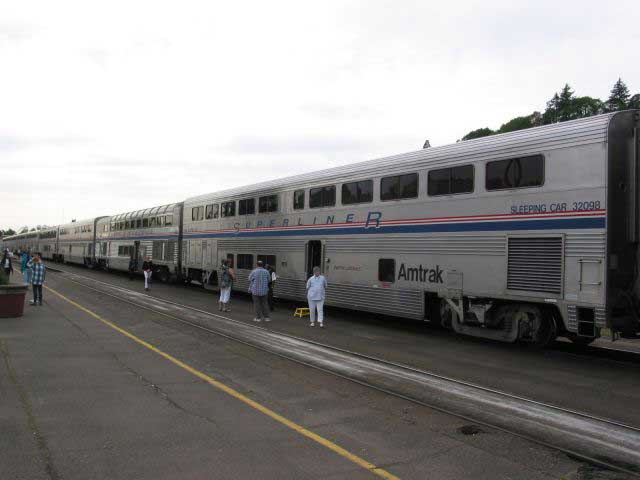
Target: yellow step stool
x,y
301,312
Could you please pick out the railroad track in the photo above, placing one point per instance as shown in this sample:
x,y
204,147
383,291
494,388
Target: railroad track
x,y
593,439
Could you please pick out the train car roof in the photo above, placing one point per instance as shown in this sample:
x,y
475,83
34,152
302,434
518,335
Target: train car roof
x,y
160,210
582,131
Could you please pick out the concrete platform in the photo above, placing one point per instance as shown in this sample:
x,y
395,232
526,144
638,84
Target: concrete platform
x,y
80,400
563,376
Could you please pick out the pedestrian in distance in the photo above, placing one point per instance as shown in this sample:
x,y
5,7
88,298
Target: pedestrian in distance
x,y
6,263
226,282
259,289
132,266
272,283
37,279
26,265
316,287
147,269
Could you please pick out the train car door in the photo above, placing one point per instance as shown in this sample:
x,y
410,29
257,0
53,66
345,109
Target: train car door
x,y
136,253
314,256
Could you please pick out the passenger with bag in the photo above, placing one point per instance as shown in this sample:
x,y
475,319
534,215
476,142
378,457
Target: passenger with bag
x,y
26,267
226,282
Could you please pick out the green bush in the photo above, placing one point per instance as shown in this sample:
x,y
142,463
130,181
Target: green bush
x,y
4,280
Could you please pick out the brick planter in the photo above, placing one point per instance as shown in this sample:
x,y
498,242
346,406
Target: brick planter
x,y
12,300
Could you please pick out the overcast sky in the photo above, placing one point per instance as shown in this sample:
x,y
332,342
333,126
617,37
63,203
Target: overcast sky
x,y
113,106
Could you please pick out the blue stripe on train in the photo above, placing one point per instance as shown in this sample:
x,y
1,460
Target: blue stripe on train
x,y
552,224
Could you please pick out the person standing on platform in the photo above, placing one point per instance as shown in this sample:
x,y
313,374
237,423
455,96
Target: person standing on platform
x,y
147,269
37,279
226,282
316,286
132,266
272,283
259,289
26,267
6,264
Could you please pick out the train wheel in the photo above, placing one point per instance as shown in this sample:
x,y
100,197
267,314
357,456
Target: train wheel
x,y
534,326
581,341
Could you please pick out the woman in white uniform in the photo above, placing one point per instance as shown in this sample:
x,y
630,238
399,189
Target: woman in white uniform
x,y
316,287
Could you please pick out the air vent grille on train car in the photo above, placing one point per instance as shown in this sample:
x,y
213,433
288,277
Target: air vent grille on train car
x,y
535,264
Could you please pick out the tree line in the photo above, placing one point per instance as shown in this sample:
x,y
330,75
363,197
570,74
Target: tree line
x,y
563,106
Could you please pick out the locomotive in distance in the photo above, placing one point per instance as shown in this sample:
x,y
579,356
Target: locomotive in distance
x,y
523,236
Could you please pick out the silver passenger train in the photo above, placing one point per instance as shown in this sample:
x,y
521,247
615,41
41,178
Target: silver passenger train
x,y
521,236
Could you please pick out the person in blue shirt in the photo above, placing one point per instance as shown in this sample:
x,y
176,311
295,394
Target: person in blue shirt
x,y
316,287
25,266
259,279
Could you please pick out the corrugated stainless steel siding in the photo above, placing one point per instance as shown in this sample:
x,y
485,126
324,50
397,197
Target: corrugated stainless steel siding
x,y
583,131
258,245
425,244
584,244
535,264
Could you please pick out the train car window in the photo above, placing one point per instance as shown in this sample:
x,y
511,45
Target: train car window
x,y
447,181
267,260
520,172
247,206
357,192
139,223
168,221
212,211
230,260
229,209
386,270
322,197
245,261
298,199
145,222
268,204
399,187
160,221
152,222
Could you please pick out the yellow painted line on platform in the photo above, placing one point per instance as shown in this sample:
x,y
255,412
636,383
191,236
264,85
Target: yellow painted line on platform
x,y
234,393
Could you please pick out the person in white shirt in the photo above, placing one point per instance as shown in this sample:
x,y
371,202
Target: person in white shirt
x,y
316,287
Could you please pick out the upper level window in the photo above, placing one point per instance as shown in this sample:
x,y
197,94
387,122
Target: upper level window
x,y
139,223
399,186
517,172
322,197
357,192
168,220
212,211
197,214
247,206
228,209
447,181
268,204
298,199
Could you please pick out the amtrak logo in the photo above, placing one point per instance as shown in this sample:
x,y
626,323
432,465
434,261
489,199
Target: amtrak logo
x,y
420,274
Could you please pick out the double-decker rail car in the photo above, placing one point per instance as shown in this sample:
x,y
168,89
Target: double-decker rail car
x,y
76,242
152,233
520,236
48,243
22,241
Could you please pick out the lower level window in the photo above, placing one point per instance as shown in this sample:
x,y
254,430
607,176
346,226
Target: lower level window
x,y
387,270
245,261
